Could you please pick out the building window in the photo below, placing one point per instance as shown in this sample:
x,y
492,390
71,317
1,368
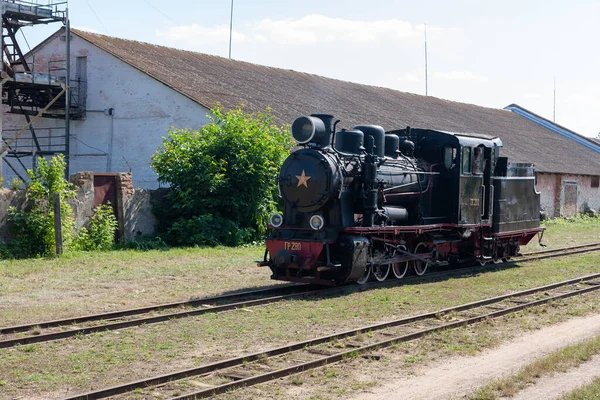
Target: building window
x,y
81,78
595,181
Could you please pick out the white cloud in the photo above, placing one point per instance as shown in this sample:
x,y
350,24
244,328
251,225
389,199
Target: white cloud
x,y
408,77
318,28
200,34
460,76
532,96
309,29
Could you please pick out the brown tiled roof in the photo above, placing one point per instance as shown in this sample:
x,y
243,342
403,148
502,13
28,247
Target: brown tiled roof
x,y
209,80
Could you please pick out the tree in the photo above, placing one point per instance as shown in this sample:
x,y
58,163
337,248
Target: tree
x,y
222,178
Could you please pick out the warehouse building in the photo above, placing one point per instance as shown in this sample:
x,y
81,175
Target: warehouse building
x,y
130,93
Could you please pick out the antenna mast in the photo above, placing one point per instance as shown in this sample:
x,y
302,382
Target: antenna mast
x,y
554,106
426,92
230,28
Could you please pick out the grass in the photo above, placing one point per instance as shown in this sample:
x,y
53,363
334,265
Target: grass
x,y
568,232
40,289
587,392
556,362
47,289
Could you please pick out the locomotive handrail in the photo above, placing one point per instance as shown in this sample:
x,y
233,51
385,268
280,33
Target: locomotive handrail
x,y
421,191
400,186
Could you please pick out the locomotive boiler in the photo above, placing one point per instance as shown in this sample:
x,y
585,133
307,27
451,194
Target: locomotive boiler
x,y
363,203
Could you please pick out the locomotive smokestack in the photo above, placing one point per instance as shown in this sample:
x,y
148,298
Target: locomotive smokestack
x,y
328,121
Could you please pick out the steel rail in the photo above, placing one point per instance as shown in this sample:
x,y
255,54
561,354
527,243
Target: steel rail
x,y
298,291
194,302
541,255
141,310
238,361
269,376
150,320
581,246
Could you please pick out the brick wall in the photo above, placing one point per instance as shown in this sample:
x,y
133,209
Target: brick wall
x,y
134,209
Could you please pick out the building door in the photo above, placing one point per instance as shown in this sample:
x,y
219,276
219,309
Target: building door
x,y
105,191
569,205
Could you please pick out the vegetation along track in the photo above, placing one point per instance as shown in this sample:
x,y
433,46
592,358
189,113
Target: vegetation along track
x,y
223,376
64,328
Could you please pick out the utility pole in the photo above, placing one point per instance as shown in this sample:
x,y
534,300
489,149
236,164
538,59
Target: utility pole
x,y
554,105
68,98
426,91
58,237
230,28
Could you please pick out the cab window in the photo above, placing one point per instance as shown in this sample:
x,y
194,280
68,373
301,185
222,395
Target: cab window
x,y
449,156
478,161
466,160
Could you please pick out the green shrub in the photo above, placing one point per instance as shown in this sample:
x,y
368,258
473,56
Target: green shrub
x,y
15,184
100,234
222,178
32,228
209,229
578,218
144,243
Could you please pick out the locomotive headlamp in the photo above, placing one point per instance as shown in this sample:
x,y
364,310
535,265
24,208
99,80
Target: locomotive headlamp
x,y
316,222
276,220
307,129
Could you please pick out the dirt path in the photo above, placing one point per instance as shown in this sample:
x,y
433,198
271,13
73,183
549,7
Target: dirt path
x,y
459,376
552,387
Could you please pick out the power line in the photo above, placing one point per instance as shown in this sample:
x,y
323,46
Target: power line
x,y
26,42
160,12
97,17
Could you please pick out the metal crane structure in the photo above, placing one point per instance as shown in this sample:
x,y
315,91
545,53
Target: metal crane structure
x,y
36,91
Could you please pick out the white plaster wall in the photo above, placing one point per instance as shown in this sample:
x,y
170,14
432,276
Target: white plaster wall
x,y
545,184
585,193
551,187
144,109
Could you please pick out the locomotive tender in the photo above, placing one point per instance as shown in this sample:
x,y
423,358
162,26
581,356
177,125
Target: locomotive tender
x,y
361,203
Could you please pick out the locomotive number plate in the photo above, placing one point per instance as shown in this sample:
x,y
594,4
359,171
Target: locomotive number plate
x,y
293,246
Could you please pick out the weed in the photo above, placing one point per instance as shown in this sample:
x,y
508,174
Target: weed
x,y
28,348
329,373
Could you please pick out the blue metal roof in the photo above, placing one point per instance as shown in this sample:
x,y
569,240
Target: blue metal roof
x,y
553,127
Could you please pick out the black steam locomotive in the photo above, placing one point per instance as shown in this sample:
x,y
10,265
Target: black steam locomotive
x,y
362,202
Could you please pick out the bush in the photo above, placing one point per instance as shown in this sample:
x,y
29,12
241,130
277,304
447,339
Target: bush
x,y
222,178
578,218
144,243
33,227
101,232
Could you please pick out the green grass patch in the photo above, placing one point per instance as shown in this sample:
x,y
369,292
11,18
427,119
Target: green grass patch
x,y
587,392
556,362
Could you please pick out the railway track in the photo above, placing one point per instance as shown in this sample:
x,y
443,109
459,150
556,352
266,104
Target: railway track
x,y
70,327
251,369
538,255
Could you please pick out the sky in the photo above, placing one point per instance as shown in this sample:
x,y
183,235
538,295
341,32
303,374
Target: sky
x,y
489,53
